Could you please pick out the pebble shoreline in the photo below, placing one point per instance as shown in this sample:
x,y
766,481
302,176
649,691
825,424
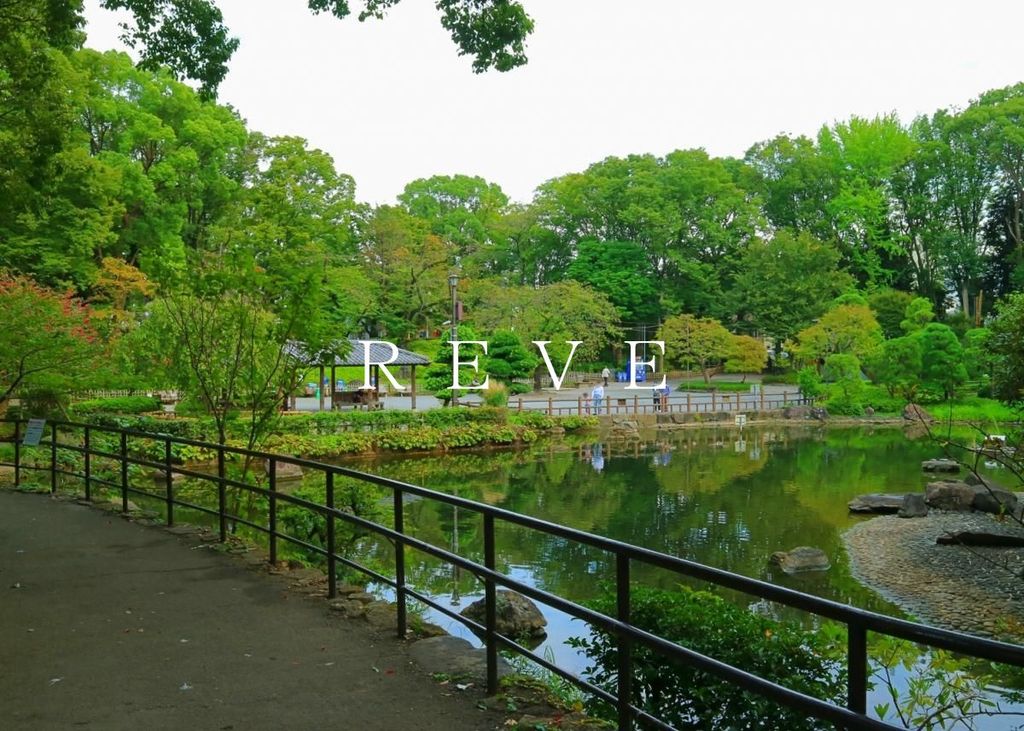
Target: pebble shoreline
x,y
971,589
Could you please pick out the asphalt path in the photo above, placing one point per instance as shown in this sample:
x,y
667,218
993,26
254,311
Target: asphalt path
x,y
109,624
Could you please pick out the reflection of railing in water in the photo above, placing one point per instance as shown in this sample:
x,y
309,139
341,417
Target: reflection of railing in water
x,y
858,622
690,402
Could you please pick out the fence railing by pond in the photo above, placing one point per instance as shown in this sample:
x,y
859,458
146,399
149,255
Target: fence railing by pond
x,y
688,402
67,438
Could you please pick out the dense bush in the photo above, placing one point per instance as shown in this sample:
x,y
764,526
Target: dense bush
x,y
688,698
119,405
787,378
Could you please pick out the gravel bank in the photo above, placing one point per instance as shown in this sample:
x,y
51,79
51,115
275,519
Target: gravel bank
x,y
977,590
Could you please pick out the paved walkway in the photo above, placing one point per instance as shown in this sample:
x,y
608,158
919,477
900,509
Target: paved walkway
x,y
107,624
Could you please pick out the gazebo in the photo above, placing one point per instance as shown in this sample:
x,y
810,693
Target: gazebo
x,y
379,353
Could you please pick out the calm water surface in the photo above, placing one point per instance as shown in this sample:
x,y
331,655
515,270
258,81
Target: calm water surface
x,y
722,497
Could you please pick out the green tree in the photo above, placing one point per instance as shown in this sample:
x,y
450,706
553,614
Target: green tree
x,y
692,341
685,211
1007,347
508,359
843,369
229,354
187,36
557,312
745,355
845,329
620,271
897,365
977,353
438,378
465,211
786,282
919,313
942,359
890,308
865,153
407,267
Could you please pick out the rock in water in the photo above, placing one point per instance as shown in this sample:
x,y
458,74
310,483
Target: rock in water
x,y
800,559
284,470
913,506
940,465
876,503
517,616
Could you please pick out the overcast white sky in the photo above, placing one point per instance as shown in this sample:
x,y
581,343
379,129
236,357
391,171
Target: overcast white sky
x,y
391,101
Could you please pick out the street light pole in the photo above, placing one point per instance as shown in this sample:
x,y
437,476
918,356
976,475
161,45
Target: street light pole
x,y
453,285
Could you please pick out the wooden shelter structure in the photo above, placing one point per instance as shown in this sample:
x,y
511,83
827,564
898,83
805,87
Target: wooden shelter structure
x,y
368,395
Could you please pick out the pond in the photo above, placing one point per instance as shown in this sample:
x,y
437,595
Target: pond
x,y
723,497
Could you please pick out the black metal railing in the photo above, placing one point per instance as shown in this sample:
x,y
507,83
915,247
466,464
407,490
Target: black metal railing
x,y
858,622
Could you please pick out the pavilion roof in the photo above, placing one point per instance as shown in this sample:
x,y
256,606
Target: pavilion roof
x,y
379,352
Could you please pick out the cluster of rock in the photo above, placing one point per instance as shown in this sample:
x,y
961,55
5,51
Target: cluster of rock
x,y
972,493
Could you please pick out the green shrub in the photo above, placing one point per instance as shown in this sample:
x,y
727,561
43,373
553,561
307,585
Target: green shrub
x,y
688,698
810,382
119,405
788,378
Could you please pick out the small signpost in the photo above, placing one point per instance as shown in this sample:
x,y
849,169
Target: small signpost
x,y
34,432
741,420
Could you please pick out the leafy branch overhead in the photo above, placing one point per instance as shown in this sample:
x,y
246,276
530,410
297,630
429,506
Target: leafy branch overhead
x,y
190,38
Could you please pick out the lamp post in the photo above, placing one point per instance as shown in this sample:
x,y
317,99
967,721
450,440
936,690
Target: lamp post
x,y
453,285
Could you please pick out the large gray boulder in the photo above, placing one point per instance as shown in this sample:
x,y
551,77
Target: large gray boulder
x,y
913,506
876,503
940,465
517,616
990,496
949,495
800,559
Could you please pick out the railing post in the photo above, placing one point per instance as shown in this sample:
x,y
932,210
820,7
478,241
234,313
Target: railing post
x,y
857,668
636,404
490,608
124,472
400,598
688,398
88,463
53,458
579,406
17,453
520,407
272,487
761,391
625,652
169,484
785,398
222,495
714,406
332,567
549,406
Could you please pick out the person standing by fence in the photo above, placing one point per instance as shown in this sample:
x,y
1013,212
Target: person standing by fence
x,y
597,395
606,374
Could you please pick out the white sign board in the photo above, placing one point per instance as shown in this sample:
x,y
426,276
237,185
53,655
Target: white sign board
x,y
34,433
741,420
